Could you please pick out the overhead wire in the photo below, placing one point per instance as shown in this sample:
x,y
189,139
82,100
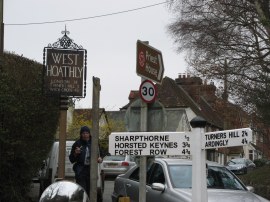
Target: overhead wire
x,y
84,18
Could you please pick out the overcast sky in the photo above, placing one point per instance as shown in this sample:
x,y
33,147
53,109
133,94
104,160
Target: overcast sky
x,y
110,40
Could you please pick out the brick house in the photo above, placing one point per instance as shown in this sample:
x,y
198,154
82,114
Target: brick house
x,y
233,116
187,97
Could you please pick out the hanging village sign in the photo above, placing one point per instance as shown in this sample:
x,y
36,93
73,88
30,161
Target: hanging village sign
x,y
65,68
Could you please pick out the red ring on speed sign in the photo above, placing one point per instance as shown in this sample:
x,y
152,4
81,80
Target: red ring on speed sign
x,y
148,91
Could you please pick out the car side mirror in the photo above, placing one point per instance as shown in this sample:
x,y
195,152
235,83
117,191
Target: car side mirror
x,y
250,188
63,191
158,187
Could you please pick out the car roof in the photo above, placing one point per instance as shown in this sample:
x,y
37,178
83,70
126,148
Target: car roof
x,y
179,161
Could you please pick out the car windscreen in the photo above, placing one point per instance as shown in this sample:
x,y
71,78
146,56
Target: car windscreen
x,y
217,177
236,161
114,158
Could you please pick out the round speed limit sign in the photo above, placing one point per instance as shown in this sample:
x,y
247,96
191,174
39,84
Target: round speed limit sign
x,y
148,91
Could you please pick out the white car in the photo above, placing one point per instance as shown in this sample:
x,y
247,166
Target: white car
x,y
170,180
240,165
115,165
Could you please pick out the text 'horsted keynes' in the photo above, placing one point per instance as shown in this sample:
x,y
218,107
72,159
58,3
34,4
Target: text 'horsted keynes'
x,y
149,143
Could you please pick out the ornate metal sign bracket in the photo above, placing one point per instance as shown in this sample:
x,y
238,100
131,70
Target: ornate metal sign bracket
x,y
65,68
65,42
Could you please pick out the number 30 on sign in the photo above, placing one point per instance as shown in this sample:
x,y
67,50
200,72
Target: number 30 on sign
x,y
148,91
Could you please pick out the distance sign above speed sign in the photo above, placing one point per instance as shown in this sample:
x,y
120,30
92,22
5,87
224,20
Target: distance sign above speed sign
x,y
148,91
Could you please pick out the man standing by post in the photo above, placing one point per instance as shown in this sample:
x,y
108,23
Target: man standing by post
x,y
80,157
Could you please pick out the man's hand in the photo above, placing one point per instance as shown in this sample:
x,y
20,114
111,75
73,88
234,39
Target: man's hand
x,y
77,151
99,160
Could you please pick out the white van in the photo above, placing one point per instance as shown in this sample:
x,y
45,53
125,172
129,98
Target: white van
x,y
53,162
50,169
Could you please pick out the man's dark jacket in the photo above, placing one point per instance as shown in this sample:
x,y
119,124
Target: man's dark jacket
x,y
78,160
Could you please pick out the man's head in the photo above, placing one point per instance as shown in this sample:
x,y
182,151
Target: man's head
x,y
85,133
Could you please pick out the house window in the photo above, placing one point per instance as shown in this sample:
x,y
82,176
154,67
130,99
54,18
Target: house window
x,y
261,138
210,155
251,155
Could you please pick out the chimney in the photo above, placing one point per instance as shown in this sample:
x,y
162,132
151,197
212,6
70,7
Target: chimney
x,y
186,79
133,95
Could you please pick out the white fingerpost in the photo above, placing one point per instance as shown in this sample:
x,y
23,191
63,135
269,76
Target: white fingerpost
x,y
199,187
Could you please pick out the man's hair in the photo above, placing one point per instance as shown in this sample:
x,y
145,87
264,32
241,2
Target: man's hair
x,y
84,129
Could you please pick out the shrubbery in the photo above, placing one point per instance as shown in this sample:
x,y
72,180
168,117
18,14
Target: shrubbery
x,y
260,162
28,121
259,179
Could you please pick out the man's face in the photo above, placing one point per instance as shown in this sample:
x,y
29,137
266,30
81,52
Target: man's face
x,y
85,136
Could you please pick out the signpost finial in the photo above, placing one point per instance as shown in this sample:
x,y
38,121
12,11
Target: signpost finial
x,y
65,32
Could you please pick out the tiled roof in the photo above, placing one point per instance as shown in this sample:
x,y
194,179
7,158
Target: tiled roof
x,y
210,114
172,95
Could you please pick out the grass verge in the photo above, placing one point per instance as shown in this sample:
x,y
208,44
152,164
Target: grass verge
x,y
259,179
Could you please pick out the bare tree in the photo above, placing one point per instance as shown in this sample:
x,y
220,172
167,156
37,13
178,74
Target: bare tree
x,y
227,40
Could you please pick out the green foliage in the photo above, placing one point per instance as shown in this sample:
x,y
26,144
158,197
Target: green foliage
x,y
28,122
105,131
259,179
260,162
77,123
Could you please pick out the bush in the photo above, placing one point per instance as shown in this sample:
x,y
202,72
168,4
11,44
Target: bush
x,y
260,162
28,122
259,179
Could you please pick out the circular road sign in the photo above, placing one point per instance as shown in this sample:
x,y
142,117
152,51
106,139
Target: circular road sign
x,y
148,91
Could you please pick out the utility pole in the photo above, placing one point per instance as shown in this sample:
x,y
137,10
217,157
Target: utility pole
x,y
2,27
225,93
226,106
94,139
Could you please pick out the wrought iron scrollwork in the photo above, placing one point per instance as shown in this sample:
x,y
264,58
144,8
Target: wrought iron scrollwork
x,y
65,42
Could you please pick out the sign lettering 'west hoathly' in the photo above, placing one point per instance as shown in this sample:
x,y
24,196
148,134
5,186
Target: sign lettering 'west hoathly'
x,y
64,71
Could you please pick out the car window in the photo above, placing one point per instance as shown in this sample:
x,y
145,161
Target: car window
x,y
217,177
221,178
114,158
135,175
180,176
157,175
249,162
237,161
230,163
132,158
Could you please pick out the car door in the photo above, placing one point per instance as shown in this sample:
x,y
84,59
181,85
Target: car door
x,y
133,182
156,175
132,186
